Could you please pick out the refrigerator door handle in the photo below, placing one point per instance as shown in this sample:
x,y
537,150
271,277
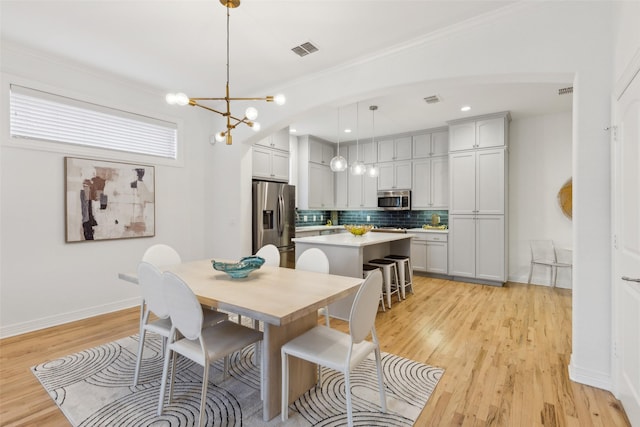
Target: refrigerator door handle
x,y
280,215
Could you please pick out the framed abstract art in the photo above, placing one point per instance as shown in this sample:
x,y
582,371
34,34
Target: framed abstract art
x,y
108,200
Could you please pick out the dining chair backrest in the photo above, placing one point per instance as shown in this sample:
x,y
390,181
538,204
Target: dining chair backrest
x,y
271,255
150,280
313,259
542,250
184,307
161,254
365,307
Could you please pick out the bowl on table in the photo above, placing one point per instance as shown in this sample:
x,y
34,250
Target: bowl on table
x,y
240,269
359,230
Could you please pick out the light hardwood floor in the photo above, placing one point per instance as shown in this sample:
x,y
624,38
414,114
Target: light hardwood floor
x,y
505,351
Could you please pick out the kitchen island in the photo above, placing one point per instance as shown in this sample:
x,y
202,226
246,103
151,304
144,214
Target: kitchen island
x,y
347,253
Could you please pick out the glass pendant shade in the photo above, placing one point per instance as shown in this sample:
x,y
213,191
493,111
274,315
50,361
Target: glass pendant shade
x,y
338,164
373,171
358,168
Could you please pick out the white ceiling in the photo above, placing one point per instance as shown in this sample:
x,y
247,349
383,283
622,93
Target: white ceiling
x,y
181,46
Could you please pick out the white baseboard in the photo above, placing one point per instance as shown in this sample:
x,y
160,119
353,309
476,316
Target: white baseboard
x,y
62,318
591,378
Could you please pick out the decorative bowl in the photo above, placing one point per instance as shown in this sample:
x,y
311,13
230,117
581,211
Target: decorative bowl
x,y
240,269
359,230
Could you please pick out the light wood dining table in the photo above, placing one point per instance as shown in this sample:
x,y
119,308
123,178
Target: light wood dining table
x,y
285,300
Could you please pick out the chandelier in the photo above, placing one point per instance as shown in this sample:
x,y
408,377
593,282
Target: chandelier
x,y
250,114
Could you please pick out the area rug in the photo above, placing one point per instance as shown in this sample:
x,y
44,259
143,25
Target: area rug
x,y
94,388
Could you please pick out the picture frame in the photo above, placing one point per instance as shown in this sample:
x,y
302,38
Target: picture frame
x,y
107,200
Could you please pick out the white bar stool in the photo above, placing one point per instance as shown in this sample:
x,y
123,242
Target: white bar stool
x,y
405,272
367,269
390,276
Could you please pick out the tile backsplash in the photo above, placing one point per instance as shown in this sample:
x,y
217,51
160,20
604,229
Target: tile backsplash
x,y
405,219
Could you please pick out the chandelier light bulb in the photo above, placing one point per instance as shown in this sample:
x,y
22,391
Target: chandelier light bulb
x,y
358,168
182,99
221,136
170,98
255,126
251,113
279,99
338,164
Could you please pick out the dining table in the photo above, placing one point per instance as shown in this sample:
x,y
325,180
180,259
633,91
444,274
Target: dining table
x,y
286,301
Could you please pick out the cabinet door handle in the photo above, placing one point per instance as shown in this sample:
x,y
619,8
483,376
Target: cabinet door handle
x,y
631,279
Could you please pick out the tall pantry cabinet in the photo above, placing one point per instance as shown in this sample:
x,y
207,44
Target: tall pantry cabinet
x,y
478,170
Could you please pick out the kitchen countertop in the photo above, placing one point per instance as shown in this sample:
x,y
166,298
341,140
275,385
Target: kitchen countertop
x,y
349,240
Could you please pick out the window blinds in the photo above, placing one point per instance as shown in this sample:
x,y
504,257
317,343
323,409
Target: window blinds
x,y
43,116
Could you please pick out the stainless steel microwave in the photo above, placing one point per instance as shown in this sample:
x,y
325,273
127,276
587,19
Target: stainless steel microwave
x,y
395,200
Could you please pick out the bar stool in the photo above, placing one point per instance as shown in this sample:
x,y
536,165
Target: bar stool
x,y
405,272
367,269
390,276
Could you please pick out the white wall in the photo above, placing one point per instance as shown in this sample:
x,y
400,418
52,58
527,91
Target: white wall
x,y
44,281
539,164
531,41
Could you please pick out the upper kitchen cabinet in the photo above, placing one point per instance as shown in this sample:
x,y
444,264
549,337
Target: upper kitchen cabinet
x,y
363,151
477,182
321,152
271,157
479,132
434,143
341,180
430,189
395,175
315,179
395,149
278,141
272,165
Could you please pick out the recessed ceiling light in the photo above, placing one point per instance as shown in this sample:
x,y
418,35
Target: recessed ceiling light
x,y
465,108
347,131
292,130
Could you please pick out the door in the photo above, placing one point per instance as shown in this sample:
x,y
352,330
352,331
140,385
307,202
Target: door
x,y
462,245
626,253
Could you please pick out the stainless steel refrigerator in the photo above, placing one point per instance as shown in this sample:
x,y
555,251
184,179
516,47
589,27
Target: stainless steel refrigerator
x,y
274,218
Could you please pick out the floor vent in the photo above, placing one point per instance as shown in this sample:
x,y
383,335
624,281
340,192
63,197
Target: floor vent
x,y
565,90
304,49
433,99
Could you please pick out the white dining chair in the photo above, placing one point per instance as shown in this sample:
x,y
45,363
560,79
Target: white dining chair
x,y
314,259
271,255
544,253
338,350
201,345
150,281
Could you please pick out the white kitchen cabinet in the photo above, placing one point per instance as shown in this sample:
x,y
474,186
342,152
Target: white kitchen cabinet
x,y
430,183
434,143
363,192
278,140
363,151
480,132
395,175
477,182
320,152
320,187
429,252
270,164
395,149
477,247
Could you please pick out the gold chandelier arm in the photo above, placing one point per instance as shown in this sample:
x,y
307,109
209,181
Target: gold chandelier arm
x,y
195,104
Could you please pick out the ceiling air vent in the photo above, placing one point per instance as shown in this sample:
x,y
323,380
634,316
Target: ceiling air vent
x,y
565,90
433,99
304,49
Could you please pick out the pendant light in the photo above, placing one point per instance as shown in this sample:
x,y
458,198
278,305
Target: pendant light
x,y
373,170
338,163
357,167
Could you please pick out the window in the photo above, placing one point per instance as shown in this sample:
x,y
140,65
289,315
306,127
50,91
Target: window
x,y
43,116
